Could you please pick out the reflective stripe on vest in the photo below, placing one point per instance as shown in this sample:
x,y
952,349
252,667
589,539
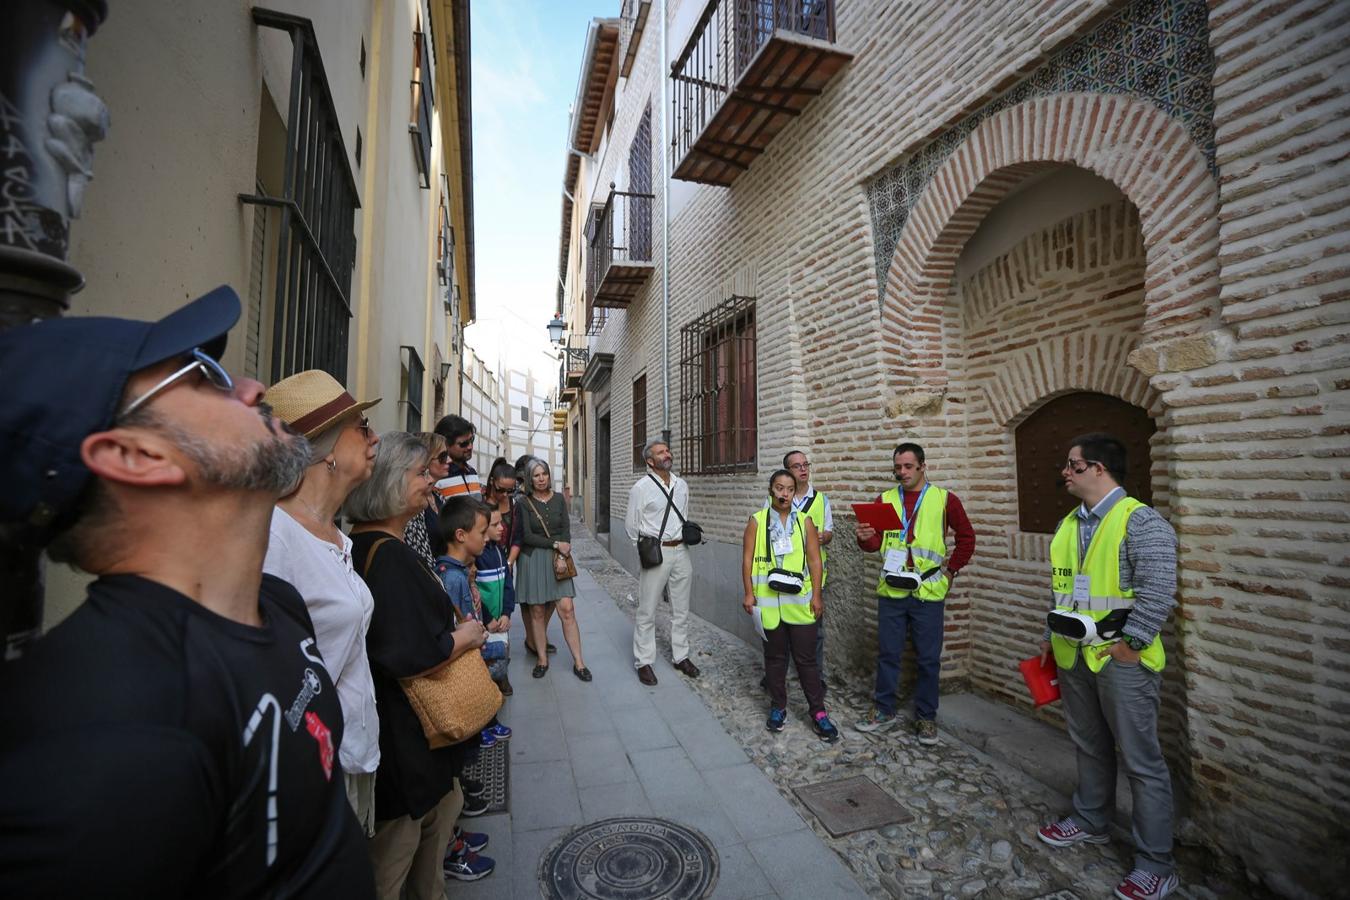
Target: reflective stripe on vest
x,y
1105,593
929,547
794,609
816,513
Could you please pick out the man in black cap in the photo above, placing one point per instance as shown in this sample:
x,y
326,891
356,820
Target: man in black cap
x,y
177,734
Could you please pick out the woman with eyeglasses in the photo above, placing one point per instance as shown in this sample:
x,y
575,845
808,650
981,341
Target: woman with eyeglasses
x,y
413,631
423,533
307,549
546,530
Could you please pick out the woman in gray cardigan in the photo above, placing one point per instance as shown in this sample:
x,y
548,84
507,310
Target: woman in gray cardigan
x,y
546,527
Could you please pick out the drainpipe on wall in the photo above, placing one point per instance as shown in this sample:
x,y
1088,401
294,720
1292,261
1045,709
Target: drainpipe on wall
x,y
50,119
665,231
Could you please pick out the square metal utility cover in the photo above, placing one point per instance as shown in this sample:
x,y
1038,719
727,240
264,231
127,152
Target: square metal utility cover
x,y
851,804
493,768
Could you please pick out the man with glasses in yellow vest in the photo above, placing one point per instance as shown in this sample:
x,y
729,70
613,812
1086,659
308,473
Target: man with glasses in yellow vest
x,y
916,574
1113,565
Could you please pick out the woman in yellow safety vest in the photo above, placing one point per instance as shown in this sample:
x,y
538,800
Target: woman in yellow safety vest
x,y
780,563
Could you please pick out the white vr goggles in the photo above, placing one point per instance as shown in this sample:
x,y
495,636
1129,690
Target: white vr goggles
x,y
906,580
785,582
1083,629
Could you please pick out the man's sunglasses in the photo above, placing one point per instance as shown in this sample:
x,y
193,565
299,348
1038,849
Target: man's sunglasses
x,y
1086,464
212,371
464,443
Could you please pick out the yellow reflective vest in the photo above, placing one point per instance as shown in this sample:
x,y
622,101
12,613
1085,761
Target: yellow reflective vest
x,y
816,513
928,547
1105,592
794,609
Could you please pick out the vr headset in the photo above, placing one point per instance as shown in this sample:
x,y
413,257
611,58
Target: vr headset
x,y
910,581
1083,629
785,582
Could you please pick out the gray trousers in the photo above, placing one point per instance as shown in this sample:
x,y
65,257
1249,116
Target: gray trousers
x,y
820,650
1119,707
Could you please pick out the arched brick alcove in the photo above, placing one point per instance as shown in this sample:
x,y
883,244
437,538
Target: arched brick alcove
x,y
1132,143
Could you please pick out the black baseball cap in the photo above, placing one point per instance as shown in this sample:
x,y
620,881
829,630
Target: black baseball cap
x,y
63,380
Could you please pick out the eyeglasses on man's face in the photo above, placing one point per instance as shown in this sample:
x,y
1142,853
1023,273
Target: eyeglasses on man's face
x,y
212,371
464,443
1078,466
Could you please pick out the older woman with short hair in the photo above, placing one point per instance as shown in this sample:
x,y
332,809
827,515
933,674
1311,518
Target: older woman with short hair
x,y
307,549
423,533
412,631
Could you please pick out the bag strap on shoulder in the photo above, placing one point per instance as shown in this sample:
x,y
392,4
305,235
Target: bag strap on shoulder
x,y
670,504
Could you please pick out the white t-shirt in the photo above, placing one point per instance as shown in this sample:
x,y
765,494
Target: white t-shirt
x,y
340,606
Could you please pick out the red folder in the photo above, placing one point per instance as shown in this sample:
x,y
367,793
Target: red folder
x,y
1042,680
880,516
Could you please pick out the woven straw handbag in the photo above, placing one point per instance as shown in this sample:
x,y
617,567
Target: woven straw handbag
x,y
457,698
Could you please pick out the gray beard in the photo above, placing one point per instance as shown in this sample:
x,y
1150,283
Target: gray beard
x,y
273,466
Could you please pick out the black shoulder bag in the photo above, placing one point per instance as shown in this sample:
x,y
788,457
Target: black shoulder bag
x,y
690,532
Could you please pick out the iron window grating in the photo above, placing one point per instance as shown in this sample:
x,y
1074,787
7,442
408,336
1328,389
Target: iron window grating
x,y
419,124
316,244
412,374
718,381
639,421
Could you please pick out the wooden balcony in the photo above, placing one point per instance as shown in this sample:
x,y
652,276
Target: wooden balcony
x,y
750,67
619,235
633,21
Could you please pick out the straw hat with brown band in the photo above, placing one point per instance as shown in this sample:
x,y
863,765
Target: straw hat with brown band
x,y
313,401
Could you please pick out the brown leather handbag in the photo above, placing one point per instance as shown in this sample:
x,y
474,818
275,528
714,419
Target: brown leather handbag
x,y
564,567
455,699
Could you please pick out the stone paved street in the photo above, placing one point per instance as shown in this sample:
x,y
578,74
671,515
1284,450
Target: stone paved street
x,y
975,817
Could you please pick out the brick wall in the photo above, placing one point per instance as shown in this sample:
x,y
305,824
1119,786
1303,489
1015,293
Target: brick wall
x,y
1217,304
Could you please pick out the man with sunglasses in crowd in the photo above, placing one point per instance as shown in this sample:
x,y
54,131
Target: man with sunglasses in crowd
x,y
177,734
1113,574
462,480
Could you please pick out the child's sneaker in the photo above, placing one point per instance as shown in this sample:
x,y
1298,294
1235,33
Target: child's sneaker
x,y
498,731
825,728
487,739
467,866
473,841
473,806
777,719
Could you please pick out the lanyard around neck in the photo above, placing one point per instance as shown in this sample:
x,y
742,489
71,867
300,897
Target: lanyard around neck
x,y
768,526
908,520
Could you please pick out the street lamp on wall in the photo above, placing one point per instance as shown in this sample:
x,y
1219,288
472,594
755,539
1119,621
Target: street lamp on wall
x,y
548,404
556,329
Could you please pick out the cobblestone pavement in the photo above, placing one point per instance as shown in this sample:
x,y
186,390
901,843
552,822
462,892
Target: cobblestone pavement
x,y
973,834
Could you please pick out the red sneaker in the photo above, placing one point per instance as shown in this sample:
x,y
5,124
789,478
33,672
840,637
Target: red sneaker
x,y
1141,885
1065,833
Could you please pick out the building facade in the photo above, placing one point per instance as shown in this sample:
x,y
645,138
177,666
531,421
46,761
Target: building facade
x,y
527,422
988,228
482,406
317,157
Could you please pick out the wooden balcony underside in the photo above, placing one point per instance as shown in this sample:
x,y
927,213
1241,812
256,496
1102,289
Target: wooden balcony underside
x,y
620,283
787,73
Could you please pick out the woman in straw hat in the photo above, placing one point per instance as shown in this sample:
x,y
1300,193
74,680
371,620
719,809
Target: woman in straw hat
x,y
308,550
413,631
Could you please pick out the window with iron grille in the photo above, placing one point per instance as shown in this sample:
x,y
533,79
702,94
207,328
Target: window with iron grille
x,y
717,390
413,372
639,421
315,245
1043,444
445,239
419,122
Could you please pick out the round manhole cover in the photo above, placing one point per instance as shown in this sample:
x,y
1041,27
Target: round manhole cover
x,y
630,859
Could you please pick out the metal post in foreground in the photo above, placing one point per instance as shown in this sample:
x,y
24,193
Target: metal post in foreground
x,y
50,119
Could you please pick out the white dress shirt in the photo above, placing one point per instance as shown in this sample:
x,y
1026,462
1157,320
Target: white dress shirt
x,y
647,506
340,605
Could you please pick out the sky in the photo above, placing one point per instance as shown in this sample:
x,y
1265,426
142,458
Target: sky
x,y
525,58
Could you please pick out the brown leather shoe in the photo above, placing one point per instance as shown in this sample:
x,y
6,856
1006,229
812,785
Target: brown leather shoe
x,y
687,666
646,675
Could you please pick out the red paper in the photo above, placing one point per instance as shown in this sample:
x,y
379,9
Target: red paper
x,y
880,516
1042,680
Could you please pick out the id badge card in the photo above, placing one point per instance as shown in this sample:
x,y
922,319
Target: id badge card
x,y
895,560
1082,591
782,545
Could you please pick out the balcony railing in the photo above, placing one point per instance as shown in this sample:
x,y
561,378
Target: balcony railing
x,y
749,66
575,355
633,17
620,249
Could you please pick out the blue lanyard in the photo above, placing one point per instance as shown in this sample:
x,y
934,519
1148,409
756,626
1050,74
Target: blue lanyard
x,y
905,521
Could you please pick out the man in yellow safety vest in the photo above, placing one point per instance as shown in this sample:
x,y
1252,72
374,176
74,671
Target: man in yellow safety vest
x,y
1113,564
